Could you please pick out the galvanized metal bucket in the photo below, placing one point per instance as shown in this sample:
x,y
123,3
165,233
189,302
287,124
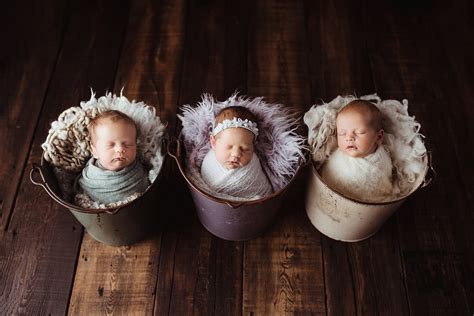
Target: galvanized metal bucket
x,y
345,219
123,225
226,219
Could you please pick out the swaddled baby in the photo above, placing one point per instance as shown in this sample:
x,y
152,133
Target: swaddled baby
x,y
360,168
231,166
114,172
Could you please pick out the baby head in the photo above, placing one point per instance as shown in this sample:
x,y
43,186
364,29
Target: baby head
x,y
113,139
359,128
232,138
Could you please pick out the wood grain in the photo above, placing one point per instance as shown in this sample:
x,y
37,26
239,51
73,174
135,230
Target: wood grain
x,y
369,284
198,282
409,62
122,280
44,238
283,269
26,66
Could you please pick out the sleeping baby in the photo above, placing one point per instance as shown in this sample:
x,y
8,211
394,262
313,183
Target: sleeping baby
x,y
231,166
360,168
114,172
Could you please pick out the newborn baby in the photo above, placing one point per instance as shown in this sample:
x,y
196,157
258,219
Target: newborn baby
x,y
231,166
113,173
360,168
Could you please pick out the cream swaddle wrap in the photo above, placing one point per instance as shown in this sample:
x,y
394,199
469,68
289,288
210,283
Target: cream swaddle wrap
x,y
249,181
366,178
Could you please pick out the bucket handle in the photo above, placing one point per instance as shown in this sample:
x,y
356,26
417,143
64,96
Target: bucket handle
x,y
174,148
37,169
431,173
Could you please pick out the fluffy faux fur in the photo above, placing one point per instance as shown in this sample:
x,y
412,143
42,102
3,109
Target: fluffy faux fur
x,y
278,145
402,138
67,145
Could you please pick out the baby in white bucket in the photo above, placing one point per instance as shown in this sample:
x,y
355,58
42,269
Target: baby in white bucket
x,y
360,167
231,166
114,172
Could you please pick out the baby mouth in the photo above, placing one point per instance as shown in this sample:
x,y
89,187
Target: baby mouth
x,y
119,159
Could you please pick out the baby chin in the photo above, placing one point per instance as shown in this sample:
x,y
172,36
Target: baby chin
x,y
232,165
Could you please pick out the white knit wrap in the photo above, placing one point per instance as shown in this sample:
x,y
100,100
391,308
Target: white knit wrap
x,y
248,182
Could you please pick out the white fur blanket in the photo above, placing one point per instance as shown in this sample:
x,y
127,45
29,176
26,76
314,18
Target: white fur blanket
x,y
247,182
366,178
278,146
67,145
402,139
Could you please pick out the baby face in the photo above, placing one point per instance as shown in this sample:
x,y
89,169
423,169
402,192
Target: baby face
x,y
355,136
233,147
114,144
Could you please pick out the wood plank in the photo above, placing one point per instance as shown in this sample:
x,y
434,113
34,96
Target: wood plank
x,y
123,279
409,62
368,284
456,26
43,239
26,66
202,274
283,270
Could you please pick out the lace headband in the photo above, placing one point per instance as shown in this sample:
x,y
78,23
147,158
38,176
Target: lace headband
x,y
236,122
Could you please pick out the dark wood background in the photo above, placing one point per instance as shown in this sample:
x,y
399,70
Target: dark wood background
x,y
166,53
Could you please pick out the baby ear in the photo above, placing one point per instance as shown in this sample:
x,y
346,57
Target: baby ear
x,y
94,151
213,141
380,134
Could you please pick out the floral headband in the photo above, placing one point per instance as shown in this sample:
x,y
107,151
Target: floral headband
x,y
236,122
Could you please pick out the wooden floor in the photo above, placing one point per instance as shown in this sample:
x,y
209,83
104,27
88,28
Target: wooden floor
x,y
166,53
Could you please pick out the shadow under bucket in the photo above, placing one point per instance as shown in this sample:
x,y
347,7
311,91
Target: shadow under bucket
x,y
231,220
345,219
123,225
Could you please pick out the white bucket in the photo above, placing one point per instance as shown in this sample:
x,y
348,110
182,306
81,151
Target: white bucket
x,y
345,219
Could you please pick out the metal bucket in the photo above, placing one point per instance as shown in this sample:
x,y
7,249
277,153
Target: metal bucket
x,y
123,225
230,220
345,219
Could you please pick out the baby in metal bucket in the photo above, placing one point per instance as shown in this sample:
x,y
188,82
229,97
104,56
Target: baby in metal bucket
x,y
360,168
231,166
114,172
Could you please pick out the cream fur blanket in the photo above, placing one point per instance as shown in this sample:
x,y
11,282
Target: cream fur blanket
x,y
67,146
402,139
366,178
247,182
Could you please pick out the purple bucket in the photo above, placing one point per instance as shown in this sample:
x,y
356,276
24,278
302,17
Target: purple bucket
x,y
230,220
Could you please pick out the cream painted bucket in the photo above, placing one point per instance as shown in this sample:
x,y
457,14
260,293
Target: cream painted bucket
x,y
345,219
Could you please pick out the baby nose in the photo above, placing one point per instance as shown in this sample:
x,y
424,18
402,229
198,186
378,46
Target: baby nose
x,y
350,137
235,153
120,149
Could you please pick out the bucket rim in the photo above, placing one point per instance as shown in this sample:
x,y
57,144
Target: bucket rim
x,y
231,203
72,207
421,184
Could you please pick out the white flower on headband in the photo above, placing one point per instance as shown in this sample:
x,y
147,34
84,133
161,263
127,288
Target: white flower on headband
x,y
236,122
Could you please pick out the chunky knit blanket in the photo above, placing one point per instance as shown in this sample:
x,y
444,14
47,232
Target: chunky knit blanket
x,y
67,145
402,139
279,147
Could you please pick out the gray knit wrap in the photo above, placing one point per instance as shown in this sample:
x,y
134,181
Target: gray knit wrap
x,y
106,186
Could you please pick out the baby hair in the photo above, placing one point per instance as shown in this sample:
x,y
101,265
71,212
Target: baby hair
x,y
367,109
231,112
112,116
